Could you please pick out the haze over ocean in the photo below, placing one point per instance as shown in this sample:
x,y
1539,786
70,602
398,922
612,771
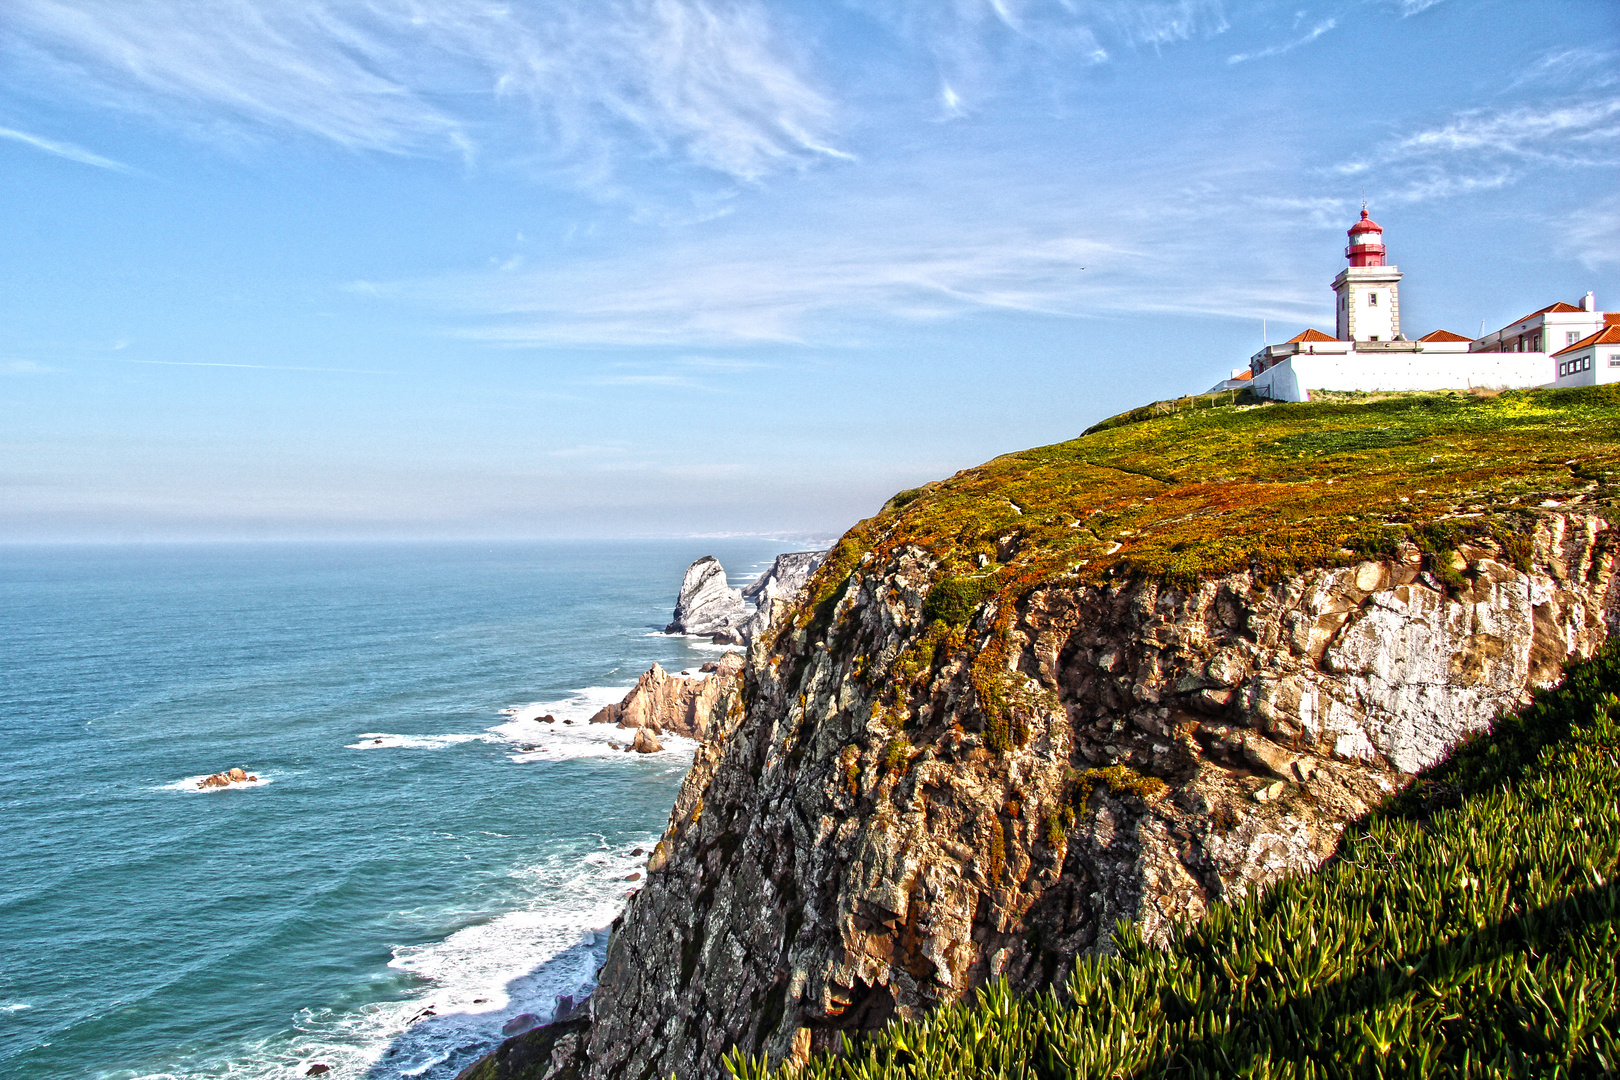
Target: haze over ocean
x,y
151,930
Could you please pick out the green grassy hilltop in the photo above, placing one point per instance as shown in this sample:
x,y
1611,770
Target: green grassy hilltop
x,y
1189,492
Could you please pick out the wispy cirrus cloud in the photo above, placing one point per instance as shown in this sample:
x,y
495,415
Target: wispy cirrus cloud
x,y
833,287
1592,234
576,84
780,289
1311,35
1484,149
980,45
64,150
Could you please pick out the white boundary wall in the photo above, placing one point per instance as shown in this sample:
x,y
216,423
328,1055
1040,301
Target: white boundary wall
x,y
1293,379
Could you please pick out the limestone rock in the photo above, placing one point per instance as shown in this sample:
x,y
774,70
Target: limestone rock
x,y
663,702
859,844
786,576
708,607
706,604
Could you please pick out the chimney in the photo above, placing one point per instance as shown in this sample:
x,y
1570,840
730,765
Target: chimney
x,y
1589,303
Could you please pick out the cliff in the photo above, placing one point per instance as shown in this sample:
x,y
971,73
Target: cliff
x,y
1118,678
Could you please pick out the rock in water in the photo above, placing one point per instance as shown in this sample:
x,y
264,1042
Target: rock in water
x,y
646,742
663,702
707,605
317,1070
237,775
520,1023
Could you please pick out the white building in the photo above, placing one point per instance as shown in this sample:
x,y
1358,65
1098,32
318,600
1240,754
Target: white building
x,y
1370,353
1592,360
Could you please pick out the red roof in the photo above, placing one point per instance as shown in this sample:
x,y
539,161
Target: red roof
x,y
1560,306
1443,335
1310,335
1611,318
1609,335
1246,376
1366,224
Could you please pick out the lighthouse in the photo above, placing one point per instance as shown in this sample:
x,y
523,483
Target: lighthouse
x,y
1369,307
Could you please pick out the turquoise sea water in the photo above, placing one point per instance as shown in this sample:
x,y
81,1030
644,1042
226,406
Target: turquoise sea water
x,y
414,845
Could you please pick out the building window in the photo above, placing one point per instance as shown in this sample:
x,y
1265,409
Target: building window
x,y
1614,359
1570,337
1563,369
1535,343
1372,299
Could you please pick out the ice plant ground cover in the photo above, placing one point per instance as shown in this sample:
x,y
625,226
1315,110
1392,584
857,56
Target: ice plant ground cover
x,y
1467,929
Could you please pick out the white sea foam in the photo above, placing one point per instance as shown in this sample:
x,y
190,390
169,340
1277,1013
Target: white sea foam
x,y
382,740
570,735
189,784
14,1006
470,983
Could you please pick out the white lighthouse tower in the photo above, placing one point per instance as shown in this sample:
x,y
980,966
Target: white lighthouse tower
x,y
1369,306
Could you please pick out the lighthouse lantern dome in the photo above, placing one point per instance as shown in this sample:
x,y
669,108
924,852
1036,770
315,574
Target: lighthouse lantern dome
x,y
1366,242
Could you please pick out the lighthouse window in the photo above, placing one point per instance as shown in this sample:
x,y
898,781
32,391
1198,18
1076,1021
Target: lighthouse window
x,y
1372,299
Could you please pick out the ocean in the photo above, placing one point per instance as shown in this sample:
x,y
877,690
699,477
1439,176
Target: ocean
x,y
421,858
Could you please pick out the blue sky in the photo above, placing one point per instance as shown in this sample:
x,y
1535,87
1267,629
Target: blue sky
x,y
416,268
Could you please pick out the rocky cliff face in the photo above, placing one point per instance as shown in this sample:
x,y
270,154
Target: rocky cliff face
x,y
892,820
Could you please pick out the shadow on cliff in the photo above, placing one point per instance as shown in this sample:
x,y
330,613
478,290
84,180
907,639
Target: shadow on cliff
x,y
438,1046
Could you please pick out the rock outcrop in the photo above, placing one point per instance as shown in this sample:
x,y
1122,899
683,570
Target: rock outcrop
x,y
708,607
777,587
914,803
681,705
227,778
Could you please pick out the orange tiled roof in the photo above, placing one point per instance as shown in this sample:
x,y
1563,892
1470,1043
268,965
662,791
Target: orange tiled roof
x,y
1310,335
1611,318
1246,376
1443,335
1609,335
1560,306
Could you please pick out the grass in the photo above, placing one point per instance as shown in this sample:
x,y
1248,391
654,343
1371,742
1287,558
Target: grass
x,y
1468,929
1182,491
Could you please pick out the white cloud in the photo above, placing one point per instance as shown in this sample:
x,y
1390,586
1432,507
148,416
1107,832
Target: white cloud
x,y
833,286
1277,50
581,83
1593,234
1484,149
64,150
1582,132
